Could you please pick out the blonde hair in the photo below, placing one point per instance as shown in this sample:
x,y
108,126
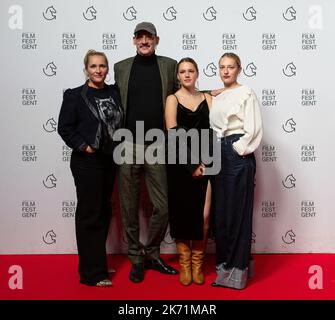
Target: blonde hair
x,y
233,56
190,60
91,53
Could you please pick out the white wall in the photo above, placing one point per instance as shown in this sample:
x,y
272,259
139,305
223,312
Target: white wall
x,y
37,190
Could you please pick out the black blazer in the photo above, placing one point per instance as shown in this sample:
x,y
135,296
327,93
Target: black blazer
x,y
79,123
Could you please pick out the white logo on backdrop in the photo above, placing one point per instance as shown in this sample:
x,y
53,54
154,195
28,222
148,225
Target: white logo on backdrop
x,y
16,20
290,70
250,14
50,181
289,125
90,13
50,69
130,14
50,13
170,14
50,125
210,70
250,70
290,14
289,181
50,237
210,14
289,237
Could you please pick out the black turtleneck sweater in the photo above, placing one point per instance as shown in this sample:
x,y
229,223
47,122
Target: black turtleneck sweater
x,y
145,101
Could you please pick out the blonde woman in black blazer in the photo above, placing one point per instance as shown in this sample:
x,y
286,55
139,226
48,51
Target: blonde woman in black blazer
x,y
89,116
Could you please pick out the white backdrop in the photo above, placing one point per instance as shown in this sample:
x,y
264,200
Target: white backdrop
x,y
287,51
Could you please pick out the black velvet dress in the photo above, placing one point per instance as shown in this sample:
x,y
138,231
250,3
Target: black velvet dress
x,y
186,195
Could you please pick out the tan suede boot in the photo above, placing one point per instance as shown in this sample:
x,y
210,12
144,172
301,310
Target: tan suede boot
x,y
198,255
185,272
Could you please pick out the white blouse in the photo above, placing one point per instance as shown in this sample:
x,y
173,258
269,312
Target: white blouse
x,y
236,111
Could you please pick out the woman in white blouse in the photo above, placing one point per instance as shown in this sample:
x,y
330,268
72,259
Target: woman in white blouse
x,y
235,118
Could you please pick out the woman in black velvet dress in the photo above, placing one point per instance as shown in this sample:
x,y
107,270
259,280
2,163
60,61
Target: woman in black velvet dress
x,y
188,189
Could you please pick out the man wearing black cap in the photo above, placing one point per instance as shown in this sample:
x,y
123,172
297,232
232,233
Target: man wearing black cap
x,y
144,82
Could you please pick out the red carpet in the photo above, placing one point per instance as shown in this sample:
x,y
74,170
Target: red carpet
x,y
277,277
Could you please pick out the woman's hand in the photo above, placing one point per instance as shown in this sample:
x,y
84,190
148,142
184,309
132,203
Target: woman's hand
x,y
199,172
89,149
216,92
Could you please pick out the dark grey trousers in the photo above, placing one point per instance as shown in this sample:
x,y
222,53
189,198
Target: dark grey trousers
x,y
129,190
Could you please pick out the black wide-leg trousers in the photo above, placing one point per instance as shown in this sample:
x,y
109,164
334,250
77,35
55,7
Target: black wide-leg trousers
x,y
233,194
94,176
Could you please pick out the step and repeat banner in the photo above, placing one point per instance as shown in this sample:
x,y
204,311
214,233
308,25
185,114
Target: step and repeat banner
x,y
287,51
